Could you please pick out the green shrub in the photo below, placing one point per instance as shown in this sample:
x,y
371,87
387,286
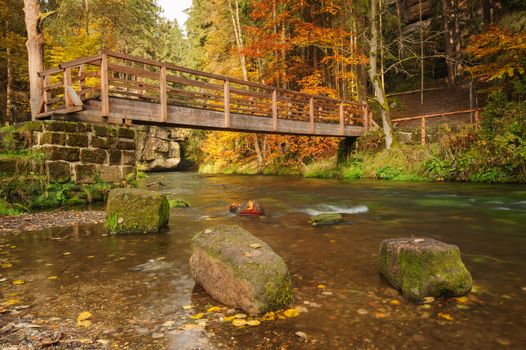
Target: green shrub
x,y
325,168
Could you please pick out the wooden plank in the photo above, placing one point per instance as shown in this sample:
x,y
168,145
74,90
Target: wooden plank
x,y
311,115
47,94
342,119
74,99
80,61
133,71
445,114
104,87
423,130
163,93
51,71
82,77
226,105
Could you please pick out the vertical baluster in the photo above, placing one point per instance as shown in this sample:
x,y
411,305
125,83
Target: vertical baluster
x,y
311,115
423,130
274,110
67,82
164,95
342,119
227,103
104,86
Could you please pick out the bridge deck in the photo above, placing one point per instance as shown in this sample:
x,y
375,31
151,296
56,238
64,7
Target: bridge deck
x,y
117,88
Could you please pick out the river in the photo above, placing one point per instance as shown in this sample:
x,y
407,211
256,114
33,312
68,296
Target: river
x,y
344,303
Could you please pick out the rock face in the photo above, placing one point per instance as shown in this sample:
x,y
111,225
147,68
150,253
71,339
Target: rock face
x,y
132,210
158,148
239,270
326,219
424,267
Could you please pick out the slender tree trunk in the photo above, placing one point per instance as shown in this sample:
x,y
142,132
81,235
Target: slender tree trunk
x,y
34,46
421,53
449,41
86,16
259,154
10,82
234,13
376,80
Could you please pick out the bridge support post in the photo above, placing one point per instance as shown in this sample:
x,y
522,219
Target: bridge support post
x,y
342,120
67,84
423,130
104,87
164,95
274,110
344,149
311,115
227,103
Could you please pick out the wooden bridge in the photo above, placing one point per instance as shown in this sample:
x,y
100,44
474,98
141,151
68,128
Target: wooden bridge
x,y
123,89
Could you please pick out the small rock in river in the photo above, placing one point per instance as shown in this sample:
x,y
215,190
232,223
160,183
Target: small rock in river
x,y
325,219
302,335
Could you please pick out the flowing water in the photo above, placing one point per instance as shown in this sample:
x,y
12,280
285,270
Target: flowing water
x,y
344,303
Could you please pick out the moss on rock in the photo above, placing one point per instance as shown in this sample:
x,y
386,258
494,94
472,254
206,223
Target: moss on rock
x,y
325,219
137,211
238,269
424,267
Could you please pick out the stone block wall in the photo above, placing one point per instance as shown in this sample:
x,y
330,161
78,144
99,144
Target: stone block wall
x,y
159,148
83,152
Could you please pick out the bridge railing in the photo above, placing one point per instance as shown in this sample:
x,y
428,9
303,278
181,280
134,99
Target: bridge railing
x,y
111,74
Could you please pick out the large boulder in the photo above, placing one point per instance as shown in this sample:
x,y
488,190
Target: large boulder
x,y
423,267
240,270
132,210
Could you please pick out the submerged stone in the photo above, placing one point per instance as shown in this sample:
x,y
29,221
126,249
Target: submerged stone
x,y
424,267
132,210
325,219
240,270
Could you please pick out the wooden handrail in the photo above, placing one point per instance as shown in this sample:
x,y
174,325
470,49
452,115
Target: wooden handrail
x,y
445,114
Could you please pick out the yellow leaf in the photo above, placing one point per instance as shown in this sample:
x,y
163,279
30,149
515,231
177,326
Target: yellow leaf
x,y
291,313
253,323
52,277
10,302
269,316
197,316
394,302
380,315
214,309
240,316
321,286
18,282
90,256
6,265
228,318
238,322
462,300
186,307
83,319
445,316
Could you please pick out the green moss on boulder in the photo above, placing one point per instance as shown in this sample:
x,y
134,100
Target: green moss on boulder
x,y
424,267
136,211
325,219
240,270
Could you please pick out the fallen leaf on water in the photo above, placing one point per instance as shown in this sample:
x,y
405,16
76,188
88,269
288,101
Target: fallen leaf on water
x,y
291,313
321,286
269,316
253,323
214,309
462,307
52,277
362,311
6,265
189,326
428,300
66,253
255,245
445,316
302,335
83,319
240,316
239,322
503,341
425,306
462,300
13,247
186,307
394,302
18,282
197,316
380,315
228,318
90,257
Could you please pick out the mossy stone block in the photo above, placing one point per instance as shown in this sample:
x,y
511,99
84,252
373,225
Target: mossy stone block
x,y
85,173
100,130
132,210
115,156
424,267
125,144
126,133
30,126
61,126
53,138
240,270
59,171
84,127
109,173
77,140
128,157
100,142
97,156
325,219
70,154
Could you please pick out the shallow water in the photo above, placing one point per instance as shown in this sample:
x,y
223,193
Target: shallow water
x,y
357,309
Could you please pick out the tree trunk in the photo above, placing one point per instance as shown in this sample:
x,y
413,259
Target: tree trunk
x,y
258,153
9,89
449,40
34,46
234,13
379,88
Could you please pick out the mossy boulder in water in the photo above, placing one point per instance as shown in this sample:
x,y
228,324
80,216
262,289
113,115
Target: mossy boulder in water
x,y
240,270
325,219
132,210
424,267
